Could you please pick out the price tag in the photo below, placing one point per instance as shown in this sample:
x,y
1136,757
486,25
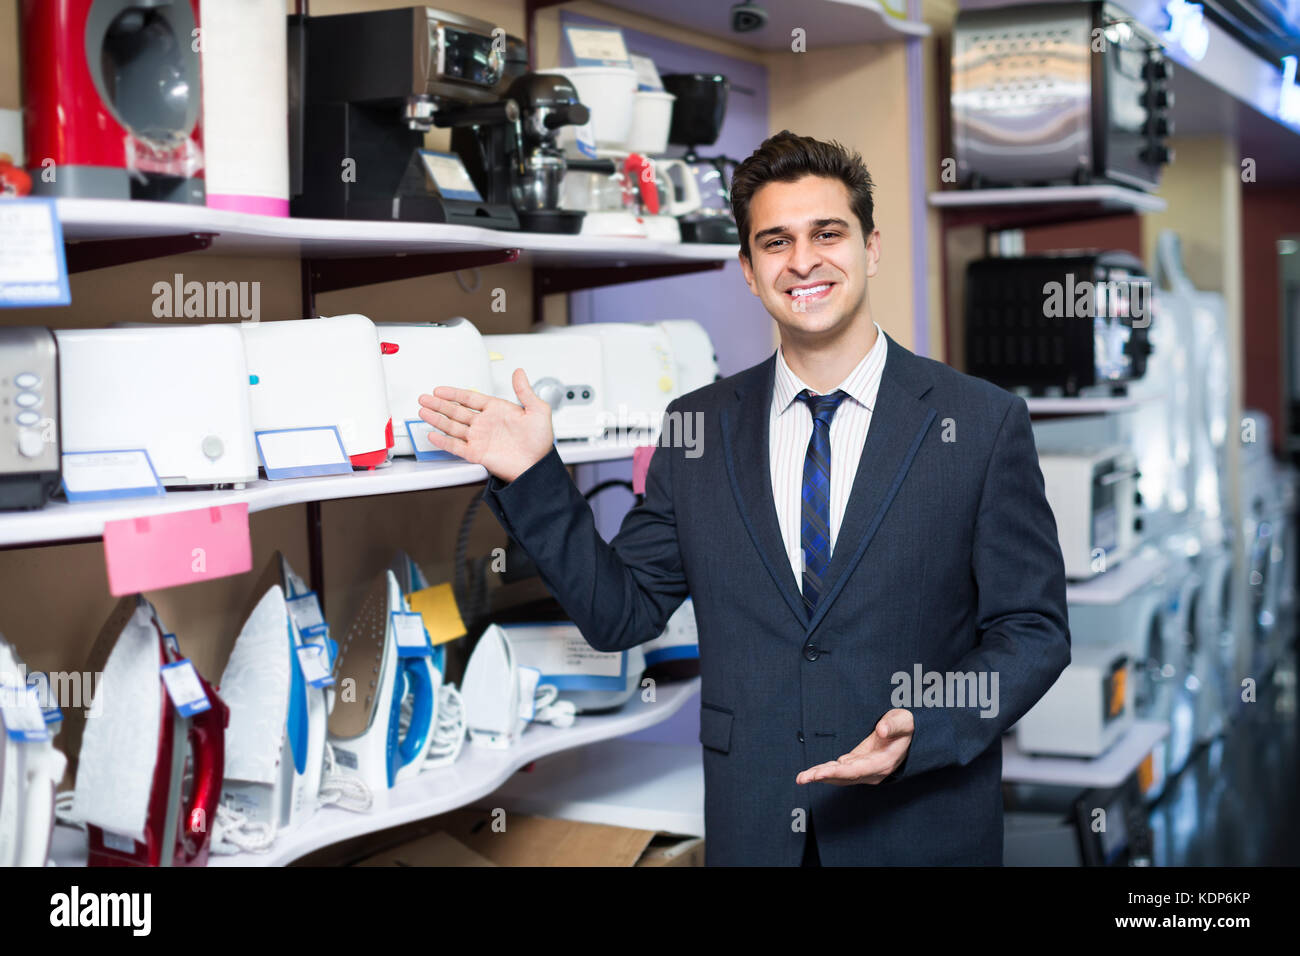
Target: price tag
x,y
597,47
305,611
647,77
302,452
20,708
106,475
32,268
314,659
449,175
184,688
412,641
418,431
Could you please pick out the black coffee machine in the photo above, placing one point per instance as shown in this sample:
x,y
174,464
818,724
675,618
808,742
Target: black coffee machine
x,y
698,111
523,165
364,90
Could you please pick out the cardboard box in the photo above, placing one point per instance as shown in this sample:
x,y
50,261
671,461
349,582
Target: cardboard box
x,y
488,838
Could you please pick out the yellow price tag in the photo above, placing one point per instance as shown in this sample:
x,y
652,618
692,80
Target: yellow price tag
x,y
437,606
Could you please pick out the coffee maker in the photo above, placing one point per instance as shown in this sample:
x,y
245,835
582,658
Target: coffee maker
x,y
369,86
113,101
523,164
698,111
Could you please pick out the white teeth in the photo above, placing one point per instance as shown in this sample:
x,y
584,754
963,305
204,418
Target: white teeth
x,y
809,291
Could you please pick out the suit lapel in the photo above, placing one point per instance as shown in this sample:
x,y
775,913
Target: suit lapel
x,y
744,431
898,424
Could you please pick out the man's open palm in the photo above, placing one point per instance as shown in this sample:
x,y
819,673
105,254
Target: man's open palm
x,y
872,760
503,437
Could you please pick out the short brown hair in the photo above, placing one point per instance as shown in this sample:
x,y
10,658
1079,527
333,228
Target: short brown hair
x,y
786,157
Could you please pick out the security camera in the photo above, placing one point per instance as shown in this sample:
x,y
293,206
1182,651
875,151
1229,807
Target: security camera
x,y
748,17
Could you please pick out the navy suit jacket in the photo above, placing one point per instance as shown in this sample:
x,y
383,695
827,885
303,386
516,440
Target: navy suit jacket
x,y
947,558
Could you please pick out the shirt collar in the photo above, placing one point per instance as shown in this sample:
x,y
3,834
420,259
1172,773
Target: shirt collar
x,y
862,383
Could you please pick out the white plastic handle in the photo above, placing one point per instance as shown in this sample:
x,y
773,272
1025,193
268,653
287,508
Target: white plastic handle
x,y
690,188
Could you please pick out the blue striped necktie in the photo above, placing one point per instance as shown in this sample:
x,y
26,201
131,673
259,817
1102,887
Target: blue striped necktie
x,y
815,526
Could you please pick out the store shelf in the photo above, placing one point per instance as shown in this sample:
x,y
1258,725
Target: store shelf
x,y
1109,770
824,22
1086,405
1118,582
62,521
622,783
476,774
247,234
1038,205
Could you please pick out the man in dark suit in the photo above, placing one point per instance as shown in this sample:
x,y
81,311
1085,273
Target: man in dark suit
x,y
875,569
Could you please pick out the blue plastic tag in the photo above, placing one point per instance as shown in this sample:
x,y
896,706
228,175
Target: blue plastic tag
x,y
107,475
302,452
315,662
171,642
418,431
20,708
33,271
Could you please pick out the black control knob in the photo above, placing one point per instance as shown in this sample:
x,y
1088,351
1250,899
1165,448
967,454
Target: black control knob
x,y
1158,70
1157,155
1160,99
1160,127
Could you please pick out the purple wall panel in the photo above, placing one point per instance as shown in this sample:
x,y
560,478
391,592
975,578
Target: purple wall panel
x,y
720,301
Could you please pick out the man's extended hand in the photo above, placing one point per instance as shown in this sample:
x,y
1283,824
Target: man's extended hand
x,y
872,760
503,437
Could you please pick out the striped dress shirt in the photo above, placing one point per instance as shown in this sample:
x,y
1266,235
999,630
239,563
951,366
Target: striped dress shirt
x,y
790,429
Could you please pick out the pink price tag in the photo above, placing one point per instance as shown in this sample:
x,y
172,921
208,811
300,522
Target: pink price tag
x,y
641,456
163,551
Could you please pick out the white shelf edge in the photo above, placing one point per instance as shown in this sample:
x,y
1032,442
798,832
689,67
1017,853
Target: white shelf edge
x,y
1117,583
240,233
1086,405
61,521
1109,770
1042,195
476,774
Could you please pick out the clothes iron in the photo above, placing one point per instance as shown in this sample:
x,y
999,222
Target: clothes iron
x,y
178,392
640,373
30,768
323,372
419,357
591,680
566,372
112,98
384,657
449,712
275,744
29,436
132,790
371,85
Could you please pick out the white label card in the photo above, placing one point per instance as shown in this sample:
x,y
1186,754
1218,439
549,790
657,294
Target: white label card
x,y
412,640
93,475
32,268
183,687
596,45
315,665
305,610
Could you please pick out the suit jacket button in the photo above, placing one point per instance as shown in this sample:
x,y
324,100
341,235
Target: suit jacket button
x,y
801,736
810,651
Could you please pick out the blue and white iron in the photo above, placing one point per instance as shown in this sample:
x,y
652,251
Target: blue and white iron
x,y
30,768
449,711
384,658
275,743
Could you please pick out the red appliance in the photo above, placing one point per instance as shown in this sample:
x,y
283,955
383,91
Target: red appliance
x,y
113,106
187,777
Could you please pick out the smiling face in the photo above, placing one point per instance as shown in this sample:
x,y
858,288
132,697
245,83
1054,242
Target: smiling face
x,y
809,260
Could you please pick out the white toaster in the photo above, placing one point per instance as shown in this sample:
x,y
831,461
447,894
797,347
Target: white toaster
x,y
310,373
693,353
640,372
178,392
421,356
566,372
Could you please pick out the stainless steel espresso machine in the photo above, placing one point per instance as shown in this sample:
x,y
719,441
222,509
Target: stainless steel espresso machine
x,y
364,90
